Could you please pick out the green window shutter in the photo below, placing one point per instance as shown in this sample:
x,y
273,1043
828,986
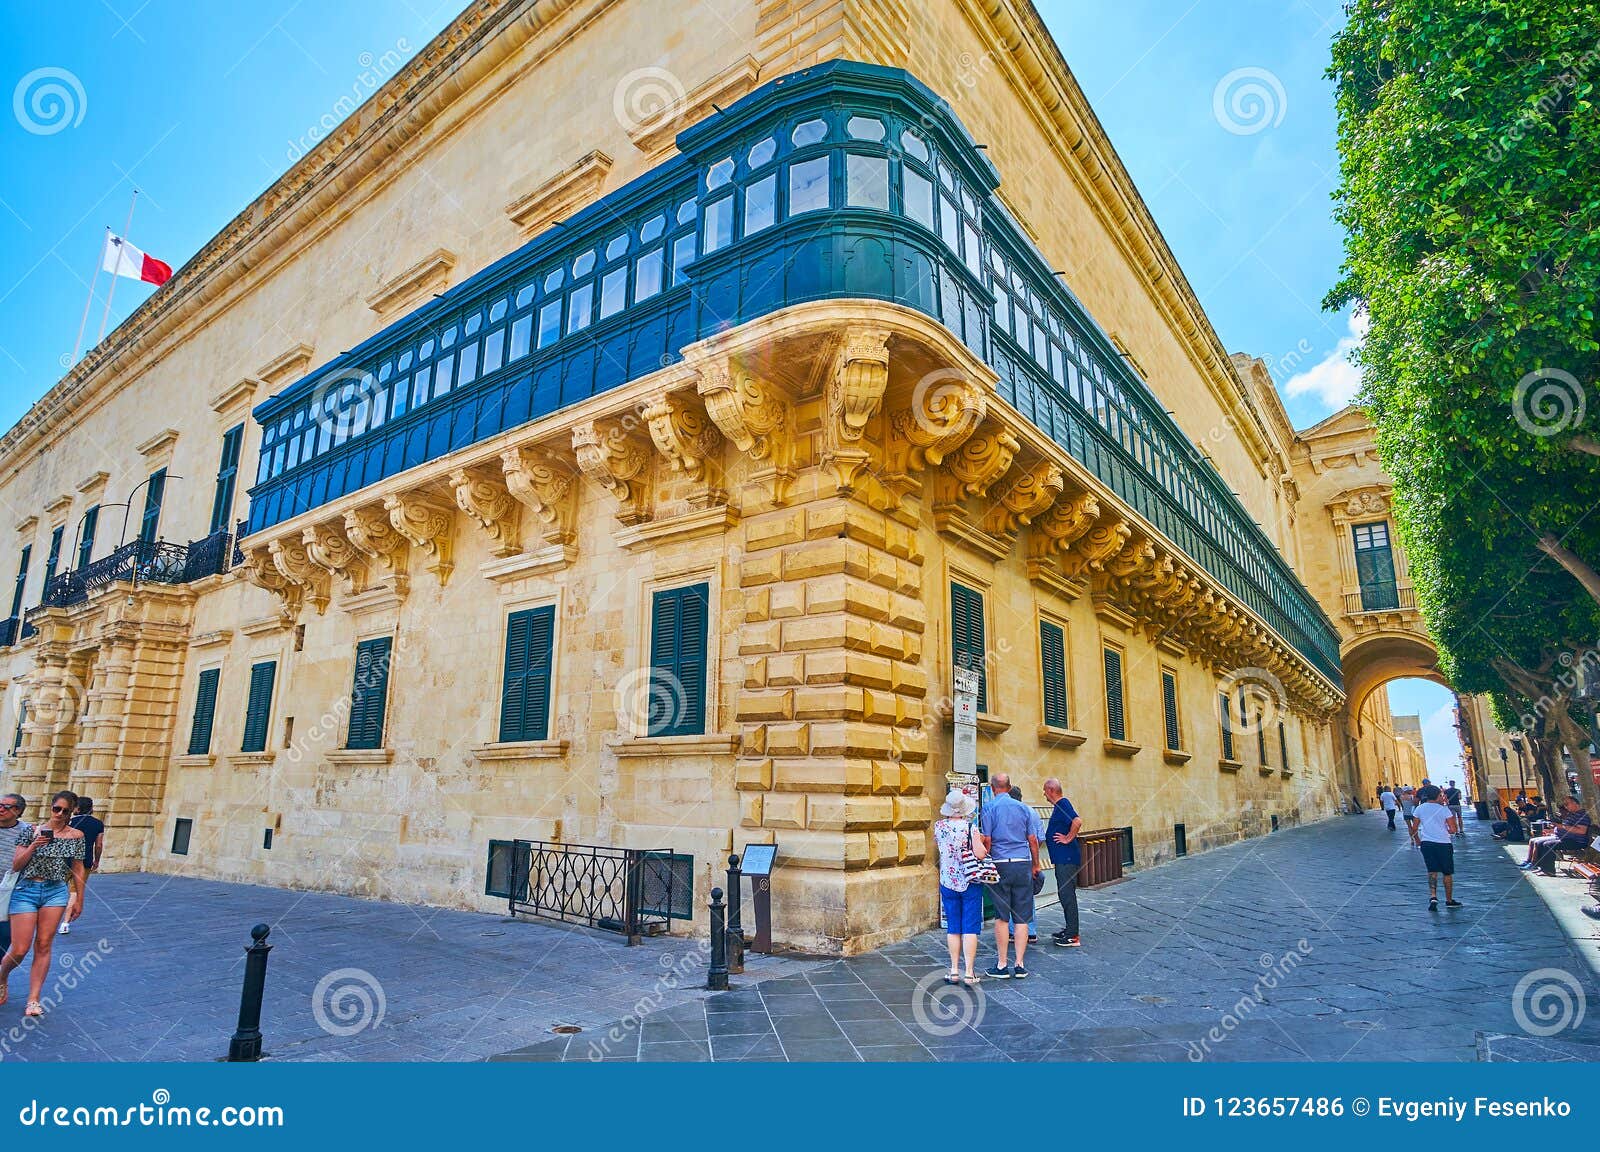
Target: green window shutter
x,y
150,522
227,476
1225,715
1053,672
22,580
525,691
258,706
205,711
966,637
1375,567
91,522
679,618
52,562
1169,709
22,720
1283,746
1261,743
1116,719
369,694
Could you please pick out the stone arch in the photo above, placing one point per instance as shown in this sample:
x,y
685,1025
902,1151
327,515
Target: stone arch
x,y
1372,661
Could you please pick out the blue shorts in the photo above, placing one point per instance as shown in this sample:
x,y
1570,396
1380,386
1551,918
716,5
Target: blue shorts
x,y
963,911
31,895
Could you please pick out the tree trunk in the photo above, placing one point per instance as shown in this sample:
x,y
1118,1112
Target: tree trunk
x,y
1547,760
1577,742
1576,567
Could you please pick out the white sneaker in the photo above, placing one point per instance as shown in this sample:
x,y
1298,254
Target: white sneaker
x,y
64,929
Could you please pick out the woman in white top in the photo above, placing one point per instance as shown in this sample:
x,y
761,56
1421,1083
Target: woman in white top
x,y
962,899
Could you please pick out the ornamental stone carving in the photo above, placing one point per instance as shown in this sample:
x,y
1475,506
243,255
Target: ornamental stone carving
x,y
369,530
482,494
1090,551
757,419
290,559
426,521
1030,494
851,397
260,570
982,459
946,408
685,435
548,487
617,460
1054,531
328,547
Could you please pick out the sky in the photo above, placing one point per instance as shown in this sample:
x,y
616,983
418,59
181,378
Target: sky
x,y
1218,108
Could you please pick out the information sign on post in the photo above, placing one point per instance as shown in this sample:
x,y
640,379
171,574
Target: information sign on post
x,y
757,864
965,757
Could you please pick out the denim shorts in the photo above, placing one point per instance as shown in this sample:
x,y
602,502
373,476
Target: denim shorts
x,y
31,895
963,911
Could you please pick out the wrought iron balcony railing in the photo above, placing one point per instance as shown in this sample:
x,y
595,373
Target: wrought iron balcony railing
x,y
142,562
8,631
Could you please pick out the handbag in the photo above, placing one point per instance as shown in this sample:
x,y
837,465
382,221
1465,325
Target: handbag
x,y
977,871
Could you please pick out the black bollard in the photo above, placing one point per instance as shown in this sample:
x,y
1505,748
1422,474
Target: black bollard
x,y
735,918
717,977
246,1042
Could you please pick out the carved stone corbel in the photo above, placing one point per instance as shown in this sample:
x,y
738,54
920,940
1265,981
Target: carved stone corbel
x,y
1090,551
757,419
483,495
260,570
427,522
690,441
851,397
290,559
543,482
970,471
1033,492
1055,531
328,547
946,408
370,531
619,461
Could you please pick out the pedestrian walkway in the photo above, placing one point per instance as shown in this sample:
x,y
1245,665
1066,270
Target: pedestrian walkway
x,y
1314,943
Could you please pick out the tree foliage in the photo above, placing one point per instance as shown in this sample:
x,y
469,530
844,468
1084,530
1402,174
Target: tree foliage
x,y
1469,135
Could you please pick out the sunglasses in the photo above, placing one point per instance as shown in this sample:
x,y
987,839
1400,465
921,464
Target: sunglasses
x,y
61,811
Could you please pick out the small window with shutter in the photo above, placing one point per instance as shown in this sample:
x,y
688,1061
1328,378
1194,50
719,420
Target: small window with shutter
x,y
369,694
1225,717
1053,674
525,690
258,706
1169,710
967,638
1283,747
678,622
205,712
1116,703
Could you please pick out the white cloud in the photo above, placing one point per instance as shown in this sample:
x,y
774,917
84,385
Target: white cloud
x,y
1334,380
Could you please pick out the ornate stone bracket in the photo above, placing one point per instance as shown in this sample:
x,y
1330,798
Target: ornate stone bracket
x,y
757,419
427,522
290,558
1032,493
690,441
328,547
946,408
1091,550
972,471
619,461
483,495
370,531
260,570
851,397
547,485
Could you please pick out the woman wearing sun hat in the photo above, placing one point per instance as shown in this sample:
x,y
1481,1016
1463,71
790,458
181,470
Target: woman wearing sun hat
x,y
961,896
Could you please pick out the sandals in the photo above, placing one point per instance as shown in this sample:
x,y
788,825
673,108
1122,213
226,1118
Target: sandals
x,y
953,979
970,981
34,1008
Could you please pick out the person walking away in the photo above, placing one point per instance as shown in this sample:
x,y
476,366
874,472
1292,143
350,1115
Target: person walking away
x,y
1390,805
1066,853
94,835
1435,829
1452,799
1038,834
1007,830
1572,831
960,896
14,831
49,886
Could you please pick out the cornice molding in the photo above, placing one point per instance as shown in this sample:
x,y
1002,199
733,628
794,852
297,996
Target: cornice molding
x,y
290,364
158,445
93,484
656,133
431,273
235,395
559,196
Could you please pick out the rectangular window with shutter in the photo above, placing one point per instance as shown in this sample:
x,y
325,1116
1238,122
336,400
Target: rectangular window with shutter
x,y
1375,566
205,712
967,637
227,479
1283,747
677,698
369,694
525,690
86,531
258,706
52,561
21,585
155,490
1169,710
1053,674
22,721
1261,741
1116,704
1225,717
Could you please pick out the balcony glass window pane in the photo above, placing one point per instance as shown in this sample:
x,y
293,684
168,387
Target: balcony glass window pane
x,y
864,128
467,364
616,247
968,203
686,211
912,145
442,372
524,297
762,153
718,229
1002,311
405,360
917,193
419,390
584,264
683,254
949,224
647,275
761,204
945,177
555,279
808,132
498,312
493,350
473,324
866,181
401,392
614,292
653,227
380,400
580,307
294,453
550,323
808,185
719,174
521,336
974,252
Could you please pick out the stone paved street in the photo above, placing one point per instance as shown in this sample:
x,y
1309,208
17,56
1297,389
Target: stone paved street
x,y
1169,956
1184,949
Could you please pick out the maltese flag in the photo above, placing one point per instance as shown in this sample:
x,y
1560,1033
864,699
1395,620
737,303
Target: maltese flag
x,y
123,259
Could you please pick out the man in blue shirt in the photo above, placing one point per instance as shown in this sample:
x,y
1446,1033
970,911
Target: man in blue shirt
x,y
1066,855
1007,829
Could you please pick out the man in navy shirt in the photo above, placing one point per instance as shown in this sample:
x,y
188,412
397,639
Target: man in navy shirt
x,y
1066,854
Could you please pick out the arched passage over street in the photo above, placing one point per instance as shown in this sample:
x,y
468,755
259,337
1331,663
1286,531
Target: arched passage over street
x,y
1372,661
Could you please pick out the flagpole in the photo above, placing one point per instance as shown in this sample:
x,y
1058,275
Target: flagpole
x,y
93,281
112,291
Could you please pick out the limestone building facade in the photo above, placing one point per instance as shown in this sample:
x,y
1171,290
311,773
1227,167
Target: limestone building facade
x,y
617,431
